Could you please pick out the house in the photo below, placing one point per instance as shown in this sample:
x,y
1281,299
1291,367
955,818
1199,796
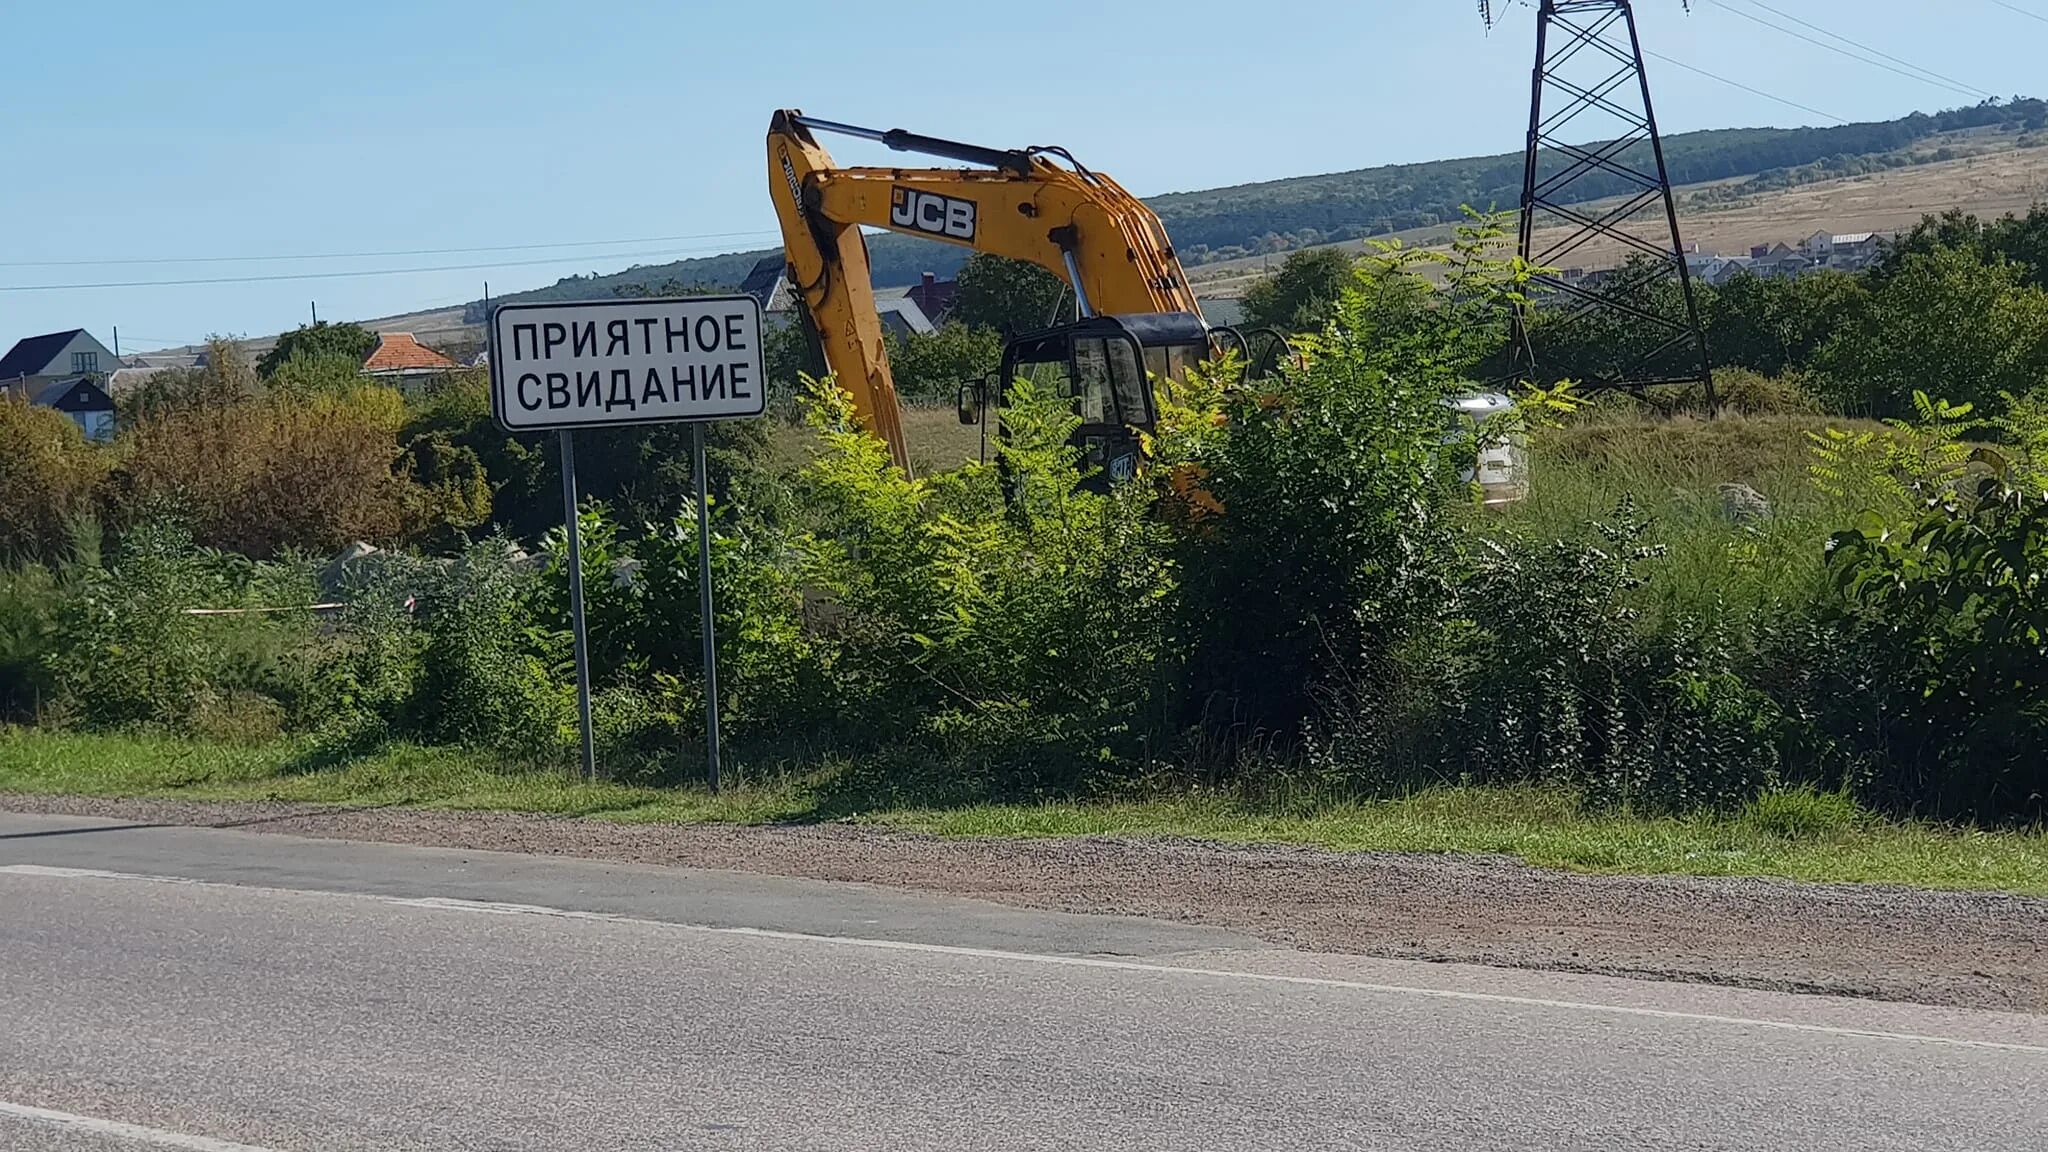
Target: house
x,y
897,308
1779,260
82,399
900,314
1845,251
935,297
398,358
38,361
63,370
1730,268
768,283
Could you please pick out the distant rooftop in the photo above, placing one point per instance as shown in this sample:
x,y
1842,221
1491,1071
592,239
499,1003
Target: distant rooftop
x,y
398,352
31,354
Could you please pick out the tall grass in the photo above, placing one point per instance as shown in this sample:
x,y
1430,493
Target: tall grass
x,y
1674,470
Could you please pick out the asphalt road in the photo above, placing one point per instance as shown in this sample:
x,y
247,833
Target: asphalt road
x,y
219,991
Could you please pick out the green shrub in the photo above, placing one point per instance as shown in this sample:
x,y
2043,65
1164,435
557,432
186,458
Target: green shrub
x,y
1801,814
128,651
49,480
932,366
371,664
266,475
489,678
1341,493
31,603
1950,620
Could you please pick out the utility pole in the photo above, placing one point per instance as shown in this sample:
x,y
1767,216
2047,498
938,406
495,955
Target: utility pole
x,y
1590,82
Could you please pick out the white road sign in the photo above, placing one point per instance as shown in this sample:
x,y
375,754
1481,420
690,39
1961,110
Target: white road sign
x,y
612,362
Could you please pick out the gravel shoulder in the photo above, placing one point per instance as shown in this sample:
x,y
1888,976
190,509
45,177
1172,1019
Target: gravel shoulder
x,y
1958,949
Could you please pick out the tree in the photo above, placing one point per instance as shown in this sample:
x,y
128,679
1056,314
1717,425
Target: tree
x,y
224,378
48,477
274,473
1010,296
318,339
1776,325
1948,322
929,366
668,287
1301,296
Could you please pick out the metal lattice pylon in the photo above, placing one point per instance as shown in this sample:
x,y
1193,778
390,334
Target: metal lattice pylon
x,y
1612,200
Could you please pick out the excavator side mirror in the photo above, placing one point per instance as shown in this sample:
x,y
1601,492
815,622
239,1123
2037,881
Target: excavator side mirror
x,y
973,397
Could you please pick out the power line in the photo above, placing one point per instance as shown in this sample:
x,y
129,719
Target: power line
x,y
353,274
1716,76
1781,13
370,255
2030,14
1675,62
1840,51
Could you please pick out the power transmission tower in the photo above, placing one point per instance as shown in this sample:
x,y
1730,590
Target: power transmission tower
x,y
1609,201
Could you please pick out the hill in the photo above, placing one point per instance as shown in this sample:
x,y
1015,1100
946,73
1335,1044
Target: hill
x,y
1224,224
1985,172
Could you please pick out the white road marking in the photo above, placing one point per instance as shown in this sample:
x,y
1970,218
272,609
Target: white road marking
x,y
93,1125
495,908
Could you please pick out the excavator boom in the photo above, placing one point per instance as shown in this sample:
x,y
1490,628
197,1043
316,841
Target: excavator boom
x,y
1080,225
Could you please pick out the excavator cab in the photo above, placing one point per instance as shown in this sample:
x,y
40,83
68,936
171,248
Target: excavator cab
x,y
1105,365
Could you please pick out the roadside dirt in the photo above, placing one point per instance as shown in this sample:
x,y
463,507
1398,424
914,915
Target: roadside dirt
x,y
1960,949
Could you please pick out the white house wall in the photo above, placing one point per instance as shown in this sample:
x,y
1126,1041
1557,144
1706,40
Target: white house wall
x,y
60,364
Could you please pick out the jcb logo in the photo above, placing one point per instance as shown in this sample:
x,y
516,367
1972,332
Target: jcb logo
x,y
931,212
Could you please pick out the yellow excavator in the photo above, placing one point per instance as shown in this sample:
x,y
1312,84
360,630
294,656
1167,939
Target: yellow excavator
x,y
1136,317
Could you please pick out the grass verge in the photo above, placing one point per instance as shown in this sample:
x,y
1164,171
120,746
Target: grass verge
x,y
1799,836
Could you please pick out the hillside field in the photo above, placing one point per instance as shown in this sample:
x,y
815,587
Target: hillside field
x,y
1988,185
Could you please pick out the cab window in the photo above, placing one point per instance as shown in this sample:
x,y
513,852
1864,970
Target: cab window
x,y
1044,364
1092,389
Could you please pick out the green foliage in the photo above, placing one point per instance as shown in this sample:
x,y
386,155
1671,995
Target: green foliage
x,y
1778,325
223,378
1567,686
788,354
488,677
1946,322
2020,240
1301,296
310,373
373,665
262,475
133,650
933,366
1010,296
31,601
49,480
1341,485
318,341
643,473
129,653
1954,612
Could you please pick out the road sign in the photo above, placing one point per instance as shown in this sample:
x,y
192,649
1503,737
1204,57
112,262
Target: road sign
x,y
606,363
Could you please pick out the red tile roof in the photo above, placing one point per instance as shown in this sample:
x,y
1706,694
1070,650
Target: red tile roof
x,y
399,352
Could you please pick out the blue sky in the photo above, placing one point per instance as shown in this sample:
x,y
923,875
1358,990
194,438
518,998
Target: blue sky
x,y
134,132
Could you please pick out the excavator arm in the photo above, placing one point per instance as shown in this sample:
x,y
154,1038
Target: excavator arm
x,y
1080,225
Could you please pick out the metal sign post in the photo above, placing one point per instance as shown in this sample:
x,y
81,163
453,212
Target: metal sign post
x,y
574,523
616,363
707,616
